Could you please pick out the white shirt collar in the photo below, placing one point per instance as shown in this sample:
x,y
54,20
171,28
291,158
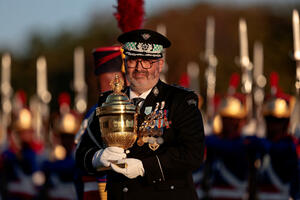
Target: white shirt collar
x,y
143,95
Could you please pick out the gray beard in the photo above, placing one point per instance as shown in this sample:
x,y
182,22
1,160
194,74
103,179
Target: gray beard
x,y
140,89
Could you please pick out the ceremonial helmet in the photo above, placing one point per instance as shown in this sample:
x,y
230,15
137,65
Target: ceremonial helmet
x,y
68,121
234,104
232,108
278,104
22,116
65,124
108,59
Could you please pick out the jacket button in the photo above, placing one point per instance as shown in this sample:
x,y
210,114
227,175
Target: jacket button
x,y
172,187
154,181
159,179
125,189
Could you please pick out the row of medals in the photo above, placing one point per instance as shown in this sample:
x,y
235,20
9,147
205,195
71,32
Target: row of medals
x,y
149,132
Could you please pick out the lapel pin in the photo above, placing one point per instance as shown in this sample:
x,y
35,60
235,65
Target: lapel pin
x,y
155,91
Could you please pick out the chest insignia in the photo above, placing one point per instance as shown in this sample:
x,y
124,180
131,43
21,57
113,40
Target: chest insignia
x,y
152,128
148,110
153,146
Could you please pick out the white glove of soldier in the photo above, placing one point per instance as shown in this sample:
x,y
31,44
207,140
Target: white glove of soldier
x,y
133,169
104,157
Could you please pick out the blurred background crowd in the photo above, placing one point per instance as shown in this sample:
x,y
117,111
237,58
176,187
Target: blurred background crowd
x,y
240,57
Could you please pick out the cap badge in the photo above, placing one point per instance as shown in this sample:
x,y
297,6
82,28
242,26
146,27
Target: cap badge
x,y
146,36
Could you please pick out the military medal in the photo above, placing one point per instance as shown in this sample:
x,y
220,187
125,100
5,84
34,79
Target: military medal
x,y
140,141
160,140
145,139
148,110
153,146
162,105
151,130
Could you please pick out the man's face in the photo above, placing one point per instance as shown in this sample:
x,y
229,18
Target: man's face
x,y
143,74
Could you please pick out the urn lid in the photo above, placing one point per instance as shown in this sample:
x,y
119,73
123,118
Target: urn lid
x,y
117,102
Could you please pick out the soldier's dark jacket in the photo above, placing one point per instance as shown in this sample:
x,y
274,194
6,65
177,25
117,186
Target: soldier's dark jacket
x,y
168,170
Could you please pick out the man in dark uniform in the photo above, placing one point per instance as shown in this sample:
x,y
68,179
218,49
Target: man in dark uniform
x,y
159,171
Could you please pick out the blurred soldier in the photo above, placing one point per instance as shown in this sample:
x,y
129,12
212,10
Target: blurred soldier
x,y
278,176
59,170
108,62
226,170
20,175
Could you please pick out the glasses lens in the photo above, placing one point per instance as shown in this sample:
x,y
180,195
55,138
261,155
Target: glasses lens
x,y
146,64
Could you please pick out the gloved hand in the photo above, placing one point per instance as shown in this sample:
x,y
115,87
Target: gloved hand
x,y
133,169
104,157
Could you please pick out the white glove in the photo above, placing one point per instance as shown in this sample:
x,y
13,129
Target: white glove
x,y
133,169
104,157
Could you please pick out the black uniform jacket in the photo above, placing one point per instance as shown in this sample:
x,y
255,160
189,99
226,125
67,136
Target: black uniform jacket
x,y
168,170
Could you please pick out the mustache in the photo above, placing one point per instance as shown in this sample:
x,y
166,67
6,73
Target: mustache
x,y
141,72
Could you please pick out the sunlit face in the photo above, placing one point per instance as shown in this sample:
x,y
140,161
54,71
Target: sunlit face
x,y
141,79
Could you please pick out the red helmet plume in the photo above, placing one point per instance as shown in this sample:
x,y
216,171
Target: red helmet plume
x,y
130,14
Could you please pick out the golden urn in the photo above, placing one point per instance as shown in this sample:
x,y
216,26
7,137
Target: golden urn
x,y
118,118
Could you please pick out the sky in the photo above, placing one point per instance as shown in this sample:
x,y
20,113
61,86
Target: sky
x,y
19,18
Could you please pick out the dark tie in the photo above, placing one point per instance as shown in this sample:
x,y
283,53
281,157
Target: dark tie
x,y
136,101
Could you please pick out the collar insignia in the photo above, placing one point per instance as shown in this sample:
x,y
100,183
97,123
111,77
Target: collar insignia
x,y
155,91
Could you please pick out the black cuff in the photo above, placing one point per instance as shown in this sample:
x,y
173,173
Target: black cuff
x,y
88,158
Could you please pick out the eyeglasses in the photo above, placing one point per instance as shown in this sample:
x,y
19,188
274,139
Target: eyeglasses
x,y
145,63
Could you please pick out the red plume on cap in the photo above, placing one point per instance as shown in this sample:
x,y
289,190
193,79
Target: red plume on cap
x,y
278,103
276,91
233,83
21,97
130,14
19,101
184,80
64,101
274,78
64,98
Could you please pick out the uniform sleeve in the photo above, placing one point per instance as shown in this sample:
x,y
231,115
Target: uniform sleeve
x,y
89,144
186,154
